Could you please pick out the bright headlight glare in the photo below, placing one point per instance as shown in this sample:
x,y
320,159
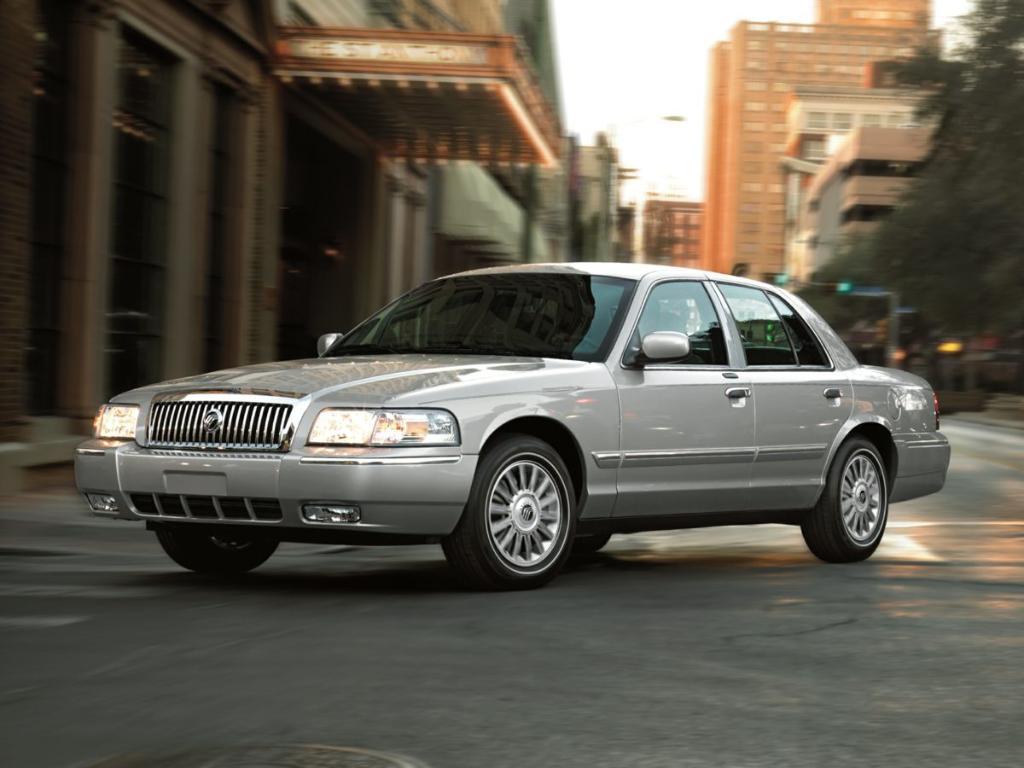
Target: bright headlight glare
x,y
335,426
117,422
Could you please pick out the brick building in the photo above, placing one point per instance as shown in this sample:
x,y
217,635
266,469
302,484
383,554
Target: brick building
x,y
751,77
672,231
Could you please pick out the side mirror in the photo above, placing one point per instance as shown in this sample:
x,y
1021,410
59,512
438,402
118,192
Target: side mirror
x,y
325,342
664,345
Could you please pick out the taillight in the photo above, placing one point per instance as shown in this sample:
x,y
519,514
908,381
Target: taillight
x,y
935,400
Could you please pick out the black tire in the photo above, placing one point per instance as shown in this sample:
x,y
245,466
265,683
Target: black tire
x,y
590,543
205,552
470,549
823,529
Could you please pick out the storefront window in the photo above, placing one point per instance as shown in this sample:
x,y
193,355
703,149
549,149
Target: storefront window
x,y
220,180
139,227
49,189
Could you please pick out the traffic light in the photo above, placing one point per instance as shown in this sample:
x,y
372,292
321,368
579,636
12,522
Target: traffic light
x,y
844,287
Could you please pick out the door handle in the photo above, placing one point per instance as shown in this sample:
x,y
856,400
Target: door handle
x,y
832,393
735,393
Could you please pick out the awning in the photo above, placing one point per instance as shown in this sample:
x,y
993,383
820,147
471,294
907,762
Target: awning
x,y
475,209
431,95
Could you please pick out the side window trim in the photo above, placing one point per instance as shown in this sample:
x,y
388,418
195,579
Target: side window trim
x,y
734,329
723,319
829,365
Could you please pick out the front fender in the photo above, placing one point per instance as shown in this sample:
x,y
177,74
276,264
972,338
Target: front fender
x,y
589,415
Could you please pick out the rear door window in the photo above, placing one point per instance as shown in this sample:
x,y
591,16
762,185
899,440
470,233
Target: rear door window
x,y
764,336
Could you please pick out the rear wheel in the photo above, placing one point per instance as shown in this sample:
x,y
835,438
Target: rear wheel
x,y
519,520
849,519
206,552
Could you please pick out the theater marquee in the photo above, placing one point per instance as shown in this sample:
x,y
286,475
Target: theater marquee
x,y
430,95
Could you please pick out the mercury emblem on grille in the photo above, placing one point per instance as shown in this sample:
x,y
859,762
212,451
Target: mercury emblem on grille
x,y
212,420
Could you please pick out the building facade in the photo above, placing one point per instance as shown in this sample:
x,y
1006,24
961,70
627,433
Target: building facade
x,y
593,200
672,231
818,119
857,187
751,77
198,185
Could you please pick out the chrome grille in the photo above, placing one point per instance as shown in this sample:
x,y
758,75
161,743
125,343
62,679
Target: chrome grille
x,y
224,424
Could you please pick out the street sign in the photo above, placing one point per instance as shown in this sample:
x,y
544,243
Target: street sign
x,y
868,290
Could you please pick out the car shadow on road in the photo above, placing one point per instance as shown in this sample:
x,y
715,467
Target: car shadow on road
x,y
426,576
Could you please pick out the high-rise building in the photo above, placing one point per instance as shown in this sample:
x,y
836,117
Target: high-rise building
x,y
909,14
672,231
751,77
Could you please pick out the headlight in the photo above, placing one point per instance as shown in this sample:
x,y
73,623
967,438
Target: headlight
x,y
336,426
117,421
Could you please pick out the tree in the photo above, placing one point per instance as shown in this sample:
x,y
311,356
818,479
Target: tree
x,y
954,248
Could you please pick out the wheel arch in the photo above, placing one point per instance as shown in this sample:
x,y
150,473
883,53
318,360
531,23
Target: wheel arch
x,y
559,437
879,436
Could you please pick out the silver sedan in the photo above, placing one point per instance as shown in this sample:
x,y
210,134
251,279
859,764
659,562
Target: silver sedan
x,y
519,414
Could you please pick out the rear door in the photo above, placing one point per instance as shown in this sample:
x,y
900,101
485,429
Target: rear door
x,y
801,401
687,438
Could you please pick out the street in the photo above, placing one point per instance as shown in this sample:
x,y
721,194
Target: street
x,y
728,646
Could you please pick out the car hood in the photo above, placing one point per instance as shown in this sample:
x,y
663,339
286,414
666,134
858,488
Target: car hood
x,y
359,378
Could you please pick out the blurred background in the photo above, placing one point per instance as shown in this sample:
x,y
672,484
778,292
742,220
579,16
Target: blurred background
x,y
195,185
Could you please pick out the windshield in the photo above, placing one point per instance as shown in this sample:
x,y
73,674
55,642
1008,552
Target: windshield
x,y
571,316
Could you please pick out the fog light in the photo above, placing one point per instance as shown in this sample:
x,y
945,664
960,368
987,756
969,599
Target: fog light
x,y
102,502
330,514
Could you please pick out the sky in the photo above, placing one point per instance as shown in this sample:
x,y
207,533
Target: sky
x,y
625,63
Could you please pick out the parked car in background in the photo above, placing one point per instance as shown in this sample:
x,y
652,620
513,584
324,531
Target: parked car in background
x,y
518,414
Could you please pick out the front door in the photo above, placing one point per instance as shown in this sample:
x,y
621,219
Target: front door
x,y
687,442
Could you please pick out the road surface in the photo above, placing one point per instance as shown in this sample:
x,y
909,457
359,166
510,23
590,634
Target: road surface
x,y
729,647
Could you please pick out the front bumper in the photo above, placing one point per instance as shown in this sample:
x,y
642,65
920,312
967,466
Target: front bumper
x,y
417,491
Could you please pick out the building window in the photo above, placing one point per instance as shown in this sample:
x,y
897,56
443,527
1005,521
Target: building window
x,y
49,189
817,120
871,121
866,213
842,121
139,226
814,149
218,200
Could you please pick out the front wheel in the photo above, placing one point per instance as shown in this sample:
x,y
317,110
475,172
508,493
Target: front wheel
x,y
519,520
590,543
849,519
206,552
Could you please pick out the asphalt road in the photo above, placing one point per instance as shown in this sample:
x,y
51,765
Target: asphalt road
x,y
729,647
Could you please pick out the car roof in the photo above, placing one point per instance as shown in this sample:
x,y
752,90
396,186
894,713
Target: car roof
x,y
627,270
